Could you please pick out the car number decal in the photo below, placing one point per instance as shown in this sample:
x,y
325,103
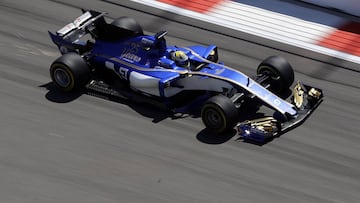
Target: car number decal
x,y
122,72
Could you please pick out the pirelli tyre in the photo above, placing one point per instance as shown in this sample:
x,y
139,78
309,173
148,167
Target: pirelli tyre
x,y
69,72
219,114
280,71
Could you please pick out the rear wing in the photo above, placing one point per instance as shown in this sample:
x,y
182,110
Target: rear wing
x,y
68,37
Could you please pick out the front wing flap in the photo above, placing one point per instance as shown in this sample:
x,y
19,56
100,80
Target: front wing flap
x,y
305,98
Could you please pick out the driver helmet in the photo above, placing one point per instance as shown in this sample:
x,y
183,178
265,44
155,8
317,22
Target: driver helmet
x,y
180,58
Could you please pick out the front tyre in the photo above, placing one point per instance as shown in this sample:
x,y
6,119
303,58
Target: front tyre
x,y
219,114
69,72
280,72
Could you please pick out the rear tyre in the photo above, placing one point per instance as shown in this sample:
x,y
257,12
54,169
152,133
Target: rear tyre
x,y
219,114
280,72
69,72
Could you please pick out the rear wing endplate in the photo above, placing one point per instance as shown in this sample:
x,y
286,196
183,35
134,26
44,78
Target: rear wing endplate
x,y
67,38
81,22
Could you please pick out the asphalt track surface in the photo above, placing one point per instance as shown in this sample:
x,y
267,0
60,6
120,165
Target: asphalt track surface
x,y
80,148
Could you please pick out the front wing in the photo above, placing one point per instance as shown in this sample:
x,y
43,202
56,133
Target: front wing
x,y
305,98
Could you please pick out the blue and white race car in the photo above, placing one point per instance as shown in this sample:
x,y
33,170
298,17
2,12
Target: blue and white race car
x,y
118,59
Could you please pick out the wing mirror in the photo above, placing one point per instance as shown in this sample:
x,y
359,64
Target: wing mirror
x,y
160,35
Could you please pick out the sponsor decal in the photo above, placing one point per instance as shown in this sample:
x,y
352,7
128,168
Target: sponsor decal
x,y
131,57
219,71
277,102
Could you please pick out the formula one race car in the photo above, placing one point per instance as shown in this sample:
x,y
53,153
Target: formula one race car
x,y
118,59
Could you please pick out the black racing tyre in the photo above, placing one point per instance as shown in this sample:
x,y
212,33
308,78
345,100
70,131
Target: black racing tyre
x,y
280,68
219,114
69,72
129,24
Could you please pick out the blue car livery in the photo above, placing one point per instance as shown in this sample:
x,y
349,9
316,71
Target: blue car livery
x,y
119,59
